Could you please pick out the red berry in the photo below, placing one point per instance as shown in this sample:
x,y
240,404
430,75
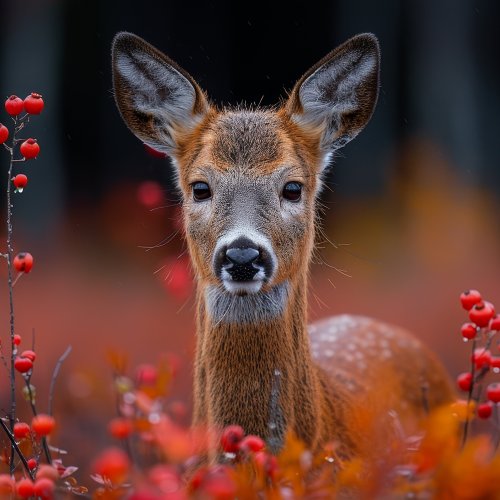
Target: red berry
x,y
6,486
198,478
231,437
20,181
166,478
17,339
43,424
48,471
32,463
113,464
469,330
481,357
252,443
484,410
469,298
493,392
268,464
154,152
25,488
14,105
495,323
150,194
23,365
481,313
44,488
23,262
29,354
4,133
21,430
120,428
464,381
33,104
30,149
146,375
219,484
495,363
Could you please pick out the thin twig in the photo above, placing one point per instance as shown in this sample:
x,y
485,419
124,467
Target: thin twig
x,y
16,448
469,395
12,416
27,381
45,446
17,279
59,363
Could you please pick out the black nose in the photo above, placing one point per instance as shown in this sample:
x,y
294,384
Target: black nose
x,y
242,256
241,259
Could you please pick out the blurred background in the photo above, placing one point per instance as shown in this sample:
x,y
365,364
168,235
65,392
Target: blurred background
x,y
412,204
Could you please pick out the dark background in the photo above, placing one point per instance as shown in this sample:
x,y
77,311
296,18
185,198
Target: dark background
x,y
413,202
440,76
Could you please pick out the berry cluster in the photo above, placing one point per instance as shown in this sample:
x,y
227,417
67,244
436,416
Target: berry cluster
x,y
480,330
238,450
32,105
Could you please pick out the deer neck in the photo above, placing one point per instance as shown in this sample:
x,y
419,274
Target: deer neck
x,y
253,365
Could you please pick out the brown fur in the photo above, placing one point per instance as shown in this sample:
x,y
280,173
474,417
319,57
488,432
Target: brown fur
x,y
271,375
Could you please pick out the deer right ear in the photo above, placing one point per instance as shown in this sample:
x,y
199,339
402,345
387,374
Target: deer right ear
x,y
337,96
157,99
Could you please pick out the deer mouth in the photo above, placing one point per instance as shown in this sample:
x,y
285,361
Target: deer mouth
x,y
242,288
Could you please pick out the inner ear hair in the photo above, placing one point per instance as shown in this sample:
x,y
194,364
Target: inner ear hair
x,y
154,95
337,95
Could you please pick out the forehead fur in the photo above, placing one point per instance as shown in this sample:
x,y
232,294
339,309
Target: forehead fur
x,y
244,138
257,140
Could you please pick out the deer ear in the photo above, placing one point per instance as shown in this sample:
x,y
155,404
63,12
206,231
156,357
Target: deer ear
x,y
157,99
337,96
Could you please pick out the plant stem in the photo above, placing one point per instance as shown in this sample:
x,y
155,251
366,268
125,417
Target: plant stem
x,y
45,446
59,363
16,448
469,395
12,415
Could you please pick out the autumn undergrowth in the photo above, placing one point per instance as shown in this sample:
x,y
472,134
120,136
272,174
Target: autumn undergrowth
x,y
156,456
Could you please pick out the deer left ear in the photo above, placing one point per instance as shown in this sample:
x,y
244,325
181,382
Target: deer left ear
x,y
337,96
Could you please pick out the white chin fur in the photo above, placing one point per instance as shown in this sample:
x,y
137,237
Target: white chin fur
x,y
242,287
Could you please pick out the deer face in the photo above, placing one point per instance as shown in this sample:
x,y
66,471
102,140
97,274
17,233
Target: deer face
x,y
248,202
249,178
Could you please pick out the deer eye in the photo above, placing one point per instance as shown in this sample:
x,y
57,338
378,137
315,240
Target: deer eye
x,y
292,191
201,191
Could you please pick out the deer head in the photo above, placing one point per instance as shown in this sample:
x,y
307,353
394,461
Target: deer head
x,y
249,178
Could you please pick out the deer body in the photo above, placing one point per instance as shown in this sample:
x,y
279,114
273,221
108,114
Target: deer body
x,y
250,180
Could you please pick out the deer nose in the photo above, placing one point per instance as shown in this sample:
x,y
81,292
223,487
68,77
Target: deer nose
x,y
241,260
242,256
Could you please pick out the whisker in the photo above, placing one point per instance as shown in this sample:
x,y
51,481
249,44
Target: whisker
x,y
178,204
331,283
341,271
162,243
160,269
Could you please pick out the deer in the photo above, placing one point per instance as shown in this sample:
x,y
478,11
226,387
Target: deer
x,y
249,180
